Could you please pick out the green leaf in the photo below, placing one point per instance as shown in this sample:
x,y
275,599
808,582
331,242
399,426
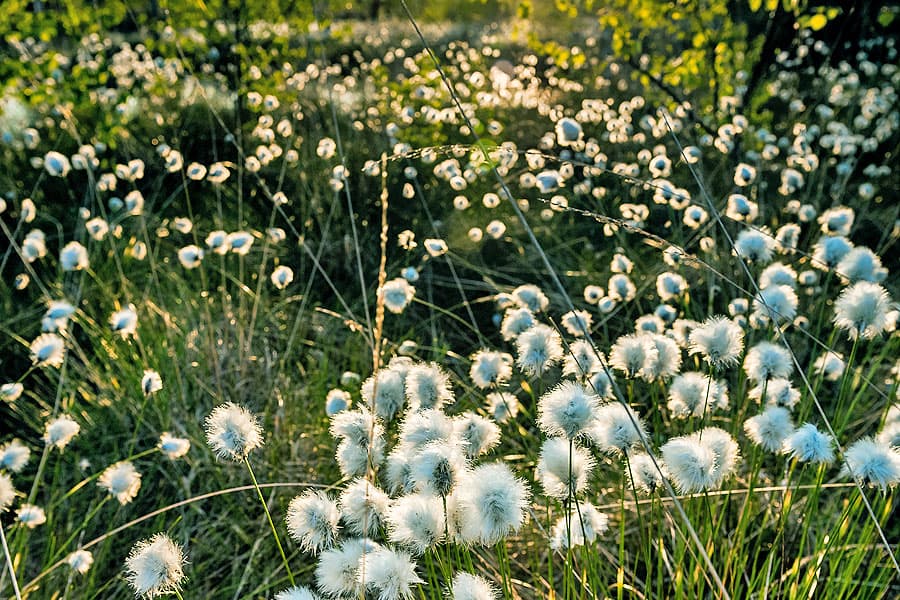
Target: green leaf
x,y
886,17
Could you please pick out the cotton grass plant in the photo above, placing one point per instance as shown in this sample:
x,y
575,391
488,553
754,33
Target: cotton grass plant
x,y
636,347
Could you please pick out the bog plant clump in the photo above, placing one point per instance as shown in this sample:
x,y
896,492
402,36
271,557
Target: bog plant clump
x,y
402,311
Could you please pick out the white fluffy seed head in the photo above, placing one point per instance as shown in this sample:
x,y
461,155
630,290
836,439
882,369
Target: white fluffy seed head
x,y
416,521
770,428
862,310
232,431
338,569
363,507
385,393
581,360
633,354
719,340
617,429
14,456
873,462
808,444
121,480
427,386
490,368
424,426
389,574
766,361
553,468
568,410
60,431
644,474
436,467
586,523
312,520
297,592
538,349
695,394
492,503
466,586
7,492
155,566
477,435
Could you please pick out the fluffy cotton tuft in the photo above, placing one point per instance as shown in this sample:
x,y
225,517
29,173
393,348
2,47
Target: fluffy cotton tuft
x,y
338,569
121,480
617,429
770,428
808,444
312,520
155,566
868,460
490,368
492,501
466,586
427,386
232,431
416,521
390,574
363,507
568,410
862,310
766,361
702,460
554,466
538,348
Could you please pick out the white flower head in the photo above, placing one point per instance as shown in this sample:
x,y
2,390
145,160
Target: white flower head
x,y
870,461
338,571
695,394
312,520
466,586
151,382
125,321
385,393
31,516
73,257
477,435
390,574
490,368
416,521
363,507
586,523
297,592
770,428
808,444
644,474
173,447
617,429
14,456
397,294
10,392
862,310
428,386
555,465
60,431
7,492
492,501
581,360
503,406
282,276
80,561
48,349
121,480
568,410
538,348
531,297
766,361
515,322
232,431
719,340
155,567
633,355
190,256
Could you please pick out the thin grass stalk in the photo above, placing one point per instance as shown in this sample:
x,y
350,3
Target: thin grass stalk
x,y
265,506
